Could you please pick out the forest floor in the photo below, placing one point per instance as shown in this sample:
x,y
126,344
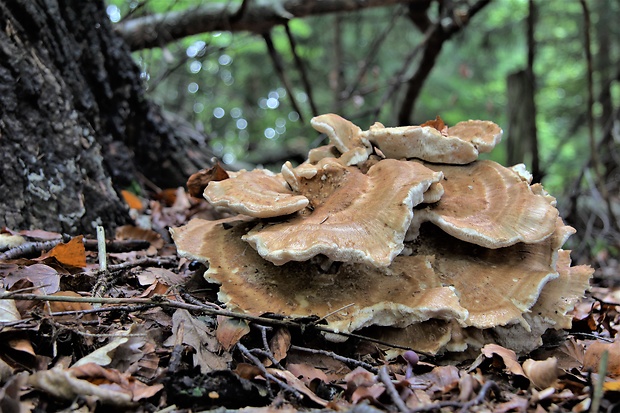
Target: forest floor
x,y
144,332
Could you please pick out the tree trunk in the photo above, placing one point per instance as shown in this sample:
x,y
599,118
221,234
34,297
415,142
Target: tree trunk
x,y
74,119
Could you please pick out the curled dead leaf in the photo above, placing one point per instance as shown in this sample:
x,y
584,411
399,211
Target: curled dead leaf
x,y
71,254
230,330
594,353
542,373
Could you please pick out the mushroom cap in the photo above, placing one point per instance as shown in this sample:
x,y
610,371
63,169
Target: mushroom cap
x,y
352,296
489,205
344,135
496,286
483,134
258,193
356,217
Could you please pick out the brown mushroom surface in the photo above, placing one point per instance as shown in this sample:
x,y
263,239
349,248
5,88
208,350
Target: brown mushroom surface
x,y
496,286
355,217
489,205
344,135
258,193
352,296
461,146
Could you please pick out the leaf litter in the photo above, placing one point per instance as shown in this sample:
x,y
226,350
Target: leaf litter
x,y
155,338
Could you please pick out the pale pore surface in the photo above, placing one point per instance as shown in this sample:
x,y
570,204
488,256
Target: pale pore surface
x,y
404,294
258,193
355,217
489,205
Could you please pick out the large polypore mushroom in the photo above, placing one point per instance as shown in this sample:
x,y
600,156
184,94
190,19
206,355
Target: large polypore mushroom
x,y
482,260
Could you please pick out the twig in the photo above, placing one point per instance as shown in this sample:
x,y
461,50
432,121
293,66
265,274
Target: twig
x,y
391,390
267,350
101,247
302,70
35,248
29,248
373,52
277,65
335,356
268,375
166,303
489,385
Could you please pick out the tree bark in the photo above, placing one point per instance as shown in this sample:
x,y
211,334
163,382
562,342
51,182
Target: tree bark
x,y
257,16
74,119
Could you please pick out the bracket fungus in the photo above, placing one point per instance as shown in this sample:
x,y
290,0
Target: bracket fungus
x,y
401,233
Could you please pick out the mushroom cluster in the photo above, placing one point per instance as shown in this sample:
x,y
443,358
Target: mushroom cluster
x,y
401,232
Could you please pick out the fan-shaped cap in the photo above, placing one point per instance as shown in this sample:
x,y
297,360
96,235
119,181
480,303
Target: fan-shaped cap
x,y
354,217
489,205
352,296
461,145
258,193
496,286
345,136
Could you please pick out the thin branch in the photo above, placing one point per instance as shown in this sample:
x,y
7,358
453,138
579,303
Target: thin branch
x,y
279,67
391,390
438,36
166,303
489,385
257,17
268,375
345,360
302,70
373,52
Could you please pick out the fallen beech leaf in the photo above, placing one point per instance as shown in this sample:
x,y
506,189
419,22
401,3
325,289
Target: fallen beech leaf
x,y
8,311
542,374
132,200
132,232
611,386
42,276
197,183
297,384
593,355
150,275
306,372
509,357
119,353
16,349
441,378
438,124
280,343
230,330
72,254
59,306
192,331
40,235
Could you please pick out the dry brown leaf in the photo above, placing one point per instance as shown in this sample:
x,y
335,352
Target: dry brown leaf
x,y
508,356
132,200
197,183
192,331
542,373
293,381
132,232
307,373
230,330
594,353
71,254
438,124
59,306
8,311
280,343
16,349
39,235
441,378
42,276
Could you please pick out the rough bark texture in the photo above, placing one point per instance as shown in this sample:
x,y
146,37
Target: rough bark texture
x,y
255,16
74,119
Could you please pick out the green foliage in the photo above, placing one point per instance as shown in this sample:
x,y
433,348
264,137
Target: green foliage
x,y
226,85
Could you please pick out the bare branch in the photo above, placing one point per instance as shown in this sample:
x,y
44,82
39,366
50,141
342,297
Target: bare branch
x,y
257,16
